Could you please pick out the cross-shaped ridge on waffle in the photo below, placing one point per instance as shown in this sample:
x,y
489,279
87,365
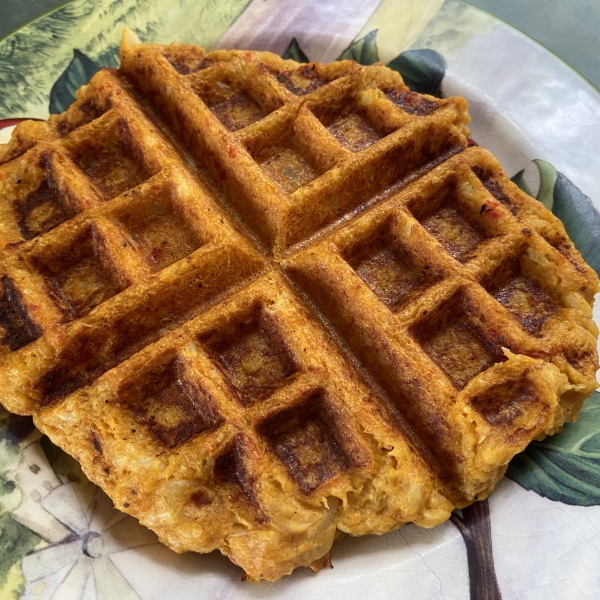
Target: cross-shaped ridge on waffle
x,y
262,302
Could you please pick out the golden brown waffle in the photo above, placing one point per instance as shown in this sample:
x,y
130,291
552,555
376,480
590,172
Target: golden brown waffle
x,y
262,302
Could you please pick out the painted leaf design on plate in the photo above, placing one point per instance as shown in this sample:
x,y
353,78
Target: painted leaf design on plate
x,y
571,206
16,540
518,179
64,465
294,52
422,70
474,525
565,467
548,175
363,51
78,72
580,218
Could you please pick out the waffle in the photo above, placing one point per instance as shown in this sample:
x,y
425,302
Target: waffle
x,y
263,303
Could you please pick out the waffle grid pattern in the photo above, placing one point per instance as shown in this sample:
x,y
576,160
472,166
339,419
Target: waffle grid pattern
x,y
437,289
261,302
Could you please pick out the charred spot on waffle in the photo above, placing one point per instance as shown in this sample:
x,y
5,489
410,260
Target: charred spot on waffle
x,y
112,162
452,337
77,366
312,441
522,296
287,163
158,230
492,185
80,276
391,272
449,222
95,350
16,326
201,498
582,359
169,406
526,301
238,111
254,356
84,113
187,59
96,442
42,209
561,244
235,106
412,103
231,467
301,81
503,403
350,124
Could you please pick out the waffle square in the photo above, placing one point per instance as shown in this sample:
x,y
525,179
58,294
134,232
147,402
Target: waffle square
x,y
264,302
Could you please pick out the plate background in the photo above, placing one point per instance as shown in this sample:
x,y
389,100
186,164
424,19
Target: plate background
x,y
525,104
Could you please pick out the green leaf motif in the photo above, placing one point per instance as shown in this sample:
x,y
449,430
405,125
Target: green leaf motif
x,y
565,467
15,542
422,70
64,465
78,72
363,51
294,52
518,180
580,218
548,176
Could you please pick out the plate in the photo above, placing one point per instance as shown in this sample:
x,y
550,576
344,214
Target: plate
x,y
60,536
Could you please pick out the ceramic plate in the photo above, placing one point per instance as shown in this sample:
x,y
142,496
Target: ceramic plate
x,y
60,536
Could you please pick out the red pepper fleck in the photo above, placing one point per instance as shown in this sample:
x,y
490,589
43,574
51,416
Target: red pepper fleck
x,y
232,152
157,254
